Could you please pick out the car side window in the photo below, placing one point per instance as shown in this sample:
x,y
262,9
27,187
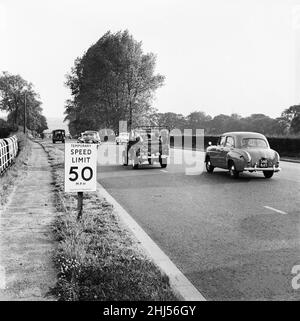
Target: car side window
x,y
222,141
229,142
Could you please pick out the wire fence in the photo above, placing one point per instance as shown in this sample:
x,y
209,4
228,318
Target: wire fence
x,y
8,151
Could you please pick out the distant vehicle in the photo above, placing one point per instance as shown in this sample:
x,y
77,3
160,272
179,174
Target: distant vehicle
x,y
58,135
90,137
122,138
242,151
147,144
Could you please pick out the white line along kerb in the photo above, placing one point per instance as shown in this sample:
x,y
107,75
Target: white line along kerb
x,y
178,281
275,210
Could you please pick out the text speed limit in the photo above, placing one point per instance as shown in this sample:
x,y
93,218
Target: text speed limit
x,y
80,167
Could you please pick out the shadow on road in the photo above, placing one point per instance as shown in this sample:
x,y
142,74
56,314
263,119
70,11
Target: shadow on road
x,y
265,275
272,226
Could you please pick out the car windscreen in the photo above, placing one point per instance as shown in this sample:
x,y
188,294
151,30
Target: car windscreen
x,y
90,135
254,142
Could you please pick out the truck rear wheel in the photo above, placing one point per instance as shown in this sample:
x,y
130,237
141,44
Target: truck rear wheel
x,y
124,159
162,164
134,164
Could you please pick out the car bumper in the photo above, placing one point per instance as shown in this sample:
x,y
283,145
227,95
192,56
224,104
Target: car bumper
x,y
267,169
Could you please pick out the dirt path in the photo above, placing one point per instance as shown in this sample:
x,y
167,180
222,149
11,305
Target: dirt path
x,y
26,243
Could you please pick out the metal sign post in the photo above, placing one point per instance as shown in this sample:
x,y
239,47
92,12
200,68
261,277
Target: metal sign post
x,y
79,205
80,171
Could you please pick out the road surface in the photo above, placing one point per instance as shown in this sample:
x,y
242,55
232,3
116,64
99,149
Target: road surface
x,y
234,239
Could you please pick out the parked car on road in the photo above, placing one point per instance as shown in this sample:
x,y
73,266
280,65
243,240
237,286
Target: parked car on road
x,y
122,138
242,151
58,135
89,137
147,144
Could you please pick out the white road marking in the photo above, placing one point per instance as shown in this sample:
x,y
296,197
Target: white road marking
x,y
275,210
162,170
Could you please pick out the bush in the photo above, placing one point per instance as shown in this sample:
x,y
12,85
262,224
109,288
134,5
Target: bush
x,y
285,146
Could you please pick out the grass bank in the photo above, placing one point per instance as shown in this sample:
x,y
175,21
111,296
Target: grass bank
x,y
97,258
16,171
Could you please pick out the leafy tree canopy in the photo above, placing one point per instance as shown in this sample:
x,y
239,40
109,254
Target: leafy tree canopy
x,y
292,116
13,89
224,123
113,81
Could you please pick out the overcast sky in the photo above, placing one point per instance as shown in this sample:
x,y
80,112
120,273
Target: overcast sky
x,y
218,56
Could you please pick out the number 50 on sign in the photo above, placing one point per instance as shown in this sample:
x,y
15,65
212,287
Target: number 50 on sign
x,y
80,167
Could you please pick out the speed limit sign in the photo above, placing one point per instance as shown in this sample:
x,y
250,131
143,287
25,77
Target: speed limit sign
x,y
80,167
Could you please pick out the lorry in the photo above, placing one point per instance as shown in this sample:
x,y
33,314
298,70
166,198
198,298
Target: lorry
x,y
147,144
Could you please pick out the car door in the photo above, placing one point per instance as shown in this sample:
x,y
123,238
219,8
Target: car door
x,y
228,146
216,153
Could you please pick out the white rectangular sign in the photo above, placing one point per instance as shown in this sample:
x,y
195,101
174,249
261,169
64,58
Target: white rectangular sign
x,y
80,167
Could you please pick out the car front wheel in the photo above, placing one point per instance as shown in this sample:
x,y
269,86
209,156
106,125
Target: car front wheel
x,y
232,170
209,167
268,174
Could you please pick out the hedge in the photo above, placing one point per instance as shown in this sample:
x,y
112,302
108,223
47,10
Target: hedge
x,y
285,146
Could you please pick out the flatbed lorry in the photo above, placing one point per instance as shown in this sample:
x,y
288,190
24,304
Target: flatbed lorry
x,y
147,144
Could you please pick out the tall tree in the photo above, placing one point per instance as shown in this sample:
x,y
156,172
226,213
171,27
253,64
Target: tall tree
x,y
292,116
113,81
13,92
171,120
198,120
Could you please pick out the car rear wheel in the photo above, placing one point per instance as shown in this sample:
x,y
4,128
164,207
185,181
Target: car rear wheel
x,y
209,167
268,174
232,170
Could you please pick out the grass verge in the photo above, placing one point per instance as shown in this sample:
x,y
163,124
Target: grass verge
x,y
96,258
9,178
